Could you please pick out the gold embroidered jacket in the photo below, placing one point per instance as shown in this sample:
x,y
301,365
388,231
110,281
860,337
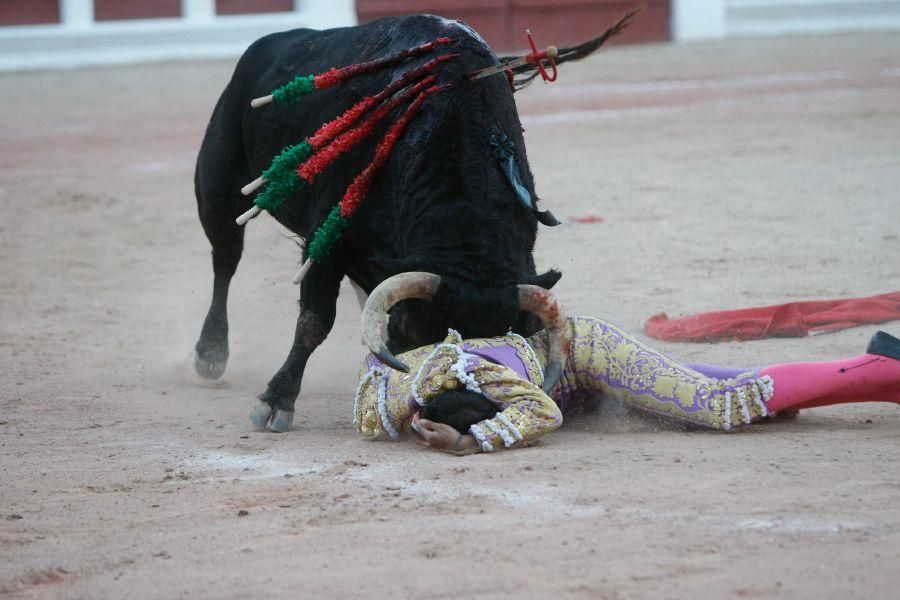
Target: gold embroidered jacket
x,y
386,399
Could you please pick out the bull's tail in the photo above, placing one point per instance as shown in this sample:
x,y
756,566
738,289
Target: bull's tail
x,y
526,73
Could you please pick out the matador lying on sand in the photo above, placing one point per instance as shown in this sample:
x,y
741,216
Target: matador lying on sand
x,y
480,395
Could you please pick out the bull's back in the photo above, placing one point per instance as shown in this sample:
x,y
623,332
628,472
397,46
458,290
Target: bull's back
x,y
278,58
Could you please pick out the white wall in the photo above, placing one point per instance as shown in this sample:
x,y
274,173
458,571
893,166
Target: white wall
x,y
711,19
80,41
698,19
755,17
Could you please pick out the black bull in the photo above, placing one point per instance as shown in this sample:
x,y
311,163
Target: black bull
x,y
441,203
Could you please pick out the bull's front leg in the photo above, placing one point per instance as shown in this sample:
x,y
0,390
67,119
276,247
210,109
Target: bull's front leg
x,y
318,297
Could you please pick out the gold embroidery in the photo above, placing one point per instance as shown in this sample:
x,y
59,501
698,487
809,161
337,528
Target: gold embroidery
x,y
603,358
522,402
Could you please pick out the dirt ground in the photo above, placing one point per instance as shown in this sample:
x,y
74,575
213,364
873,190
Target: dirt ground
x,y
728,174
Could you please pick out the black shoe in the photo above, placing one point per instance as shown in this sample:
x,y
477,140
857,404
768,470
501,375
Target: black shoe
x,y
884,344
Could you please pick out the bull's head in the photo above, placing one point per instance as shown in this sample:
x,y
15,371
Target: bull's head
x,y
424,286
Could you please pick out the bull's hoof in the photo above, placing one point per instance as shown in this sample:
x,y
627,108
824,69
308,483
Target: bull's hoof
x,y
282,421
209,368
260,415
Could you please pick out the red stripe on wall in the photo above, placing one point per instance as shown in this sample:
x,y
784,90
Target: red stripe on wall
x,y
243,7
116,10
32,12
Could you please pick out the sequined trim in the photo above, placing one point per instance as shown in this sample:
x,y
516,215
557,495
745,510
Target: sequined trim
x,y
480,436
726,418
763,389
735,398
453,337
381,407
529,357
768,387
366,379
503,433
742,400
510,425
418,378
458,369
757,397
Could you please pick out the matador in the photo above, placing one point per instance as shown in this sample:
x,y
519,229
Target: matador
x,y
504,392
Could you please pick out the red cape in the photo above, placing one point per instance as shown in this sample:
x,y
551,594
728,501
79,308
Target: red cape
x,y
795,319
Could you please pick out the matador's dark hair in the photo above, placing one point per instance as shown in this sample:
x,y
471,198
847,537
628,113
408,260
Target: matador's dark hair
x,y
460,409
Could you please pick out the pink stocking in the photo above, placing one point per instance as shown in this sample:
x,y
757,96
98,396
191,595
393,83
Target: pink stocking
x,y
864,378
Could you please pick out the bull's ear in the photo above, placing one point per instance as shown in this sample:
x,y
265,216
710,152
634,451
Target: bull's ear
x,y
393,266
545,280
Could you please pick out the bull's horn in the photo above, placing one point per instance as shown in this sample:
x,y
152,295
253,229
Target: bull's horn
x,y
547,218
416,284
545,305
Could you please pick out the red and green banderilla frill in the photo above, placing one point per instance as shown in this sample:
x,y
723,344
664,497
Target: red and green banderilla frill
x,y
329,233
296,166
304,85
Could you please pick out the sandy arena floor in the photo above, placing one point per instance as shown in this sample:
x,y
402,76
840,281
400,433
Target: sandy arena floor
x,y
728,174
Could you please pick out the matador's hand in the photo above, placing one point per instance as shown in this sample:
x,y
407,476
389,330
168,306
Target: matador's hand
x,y
443,437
